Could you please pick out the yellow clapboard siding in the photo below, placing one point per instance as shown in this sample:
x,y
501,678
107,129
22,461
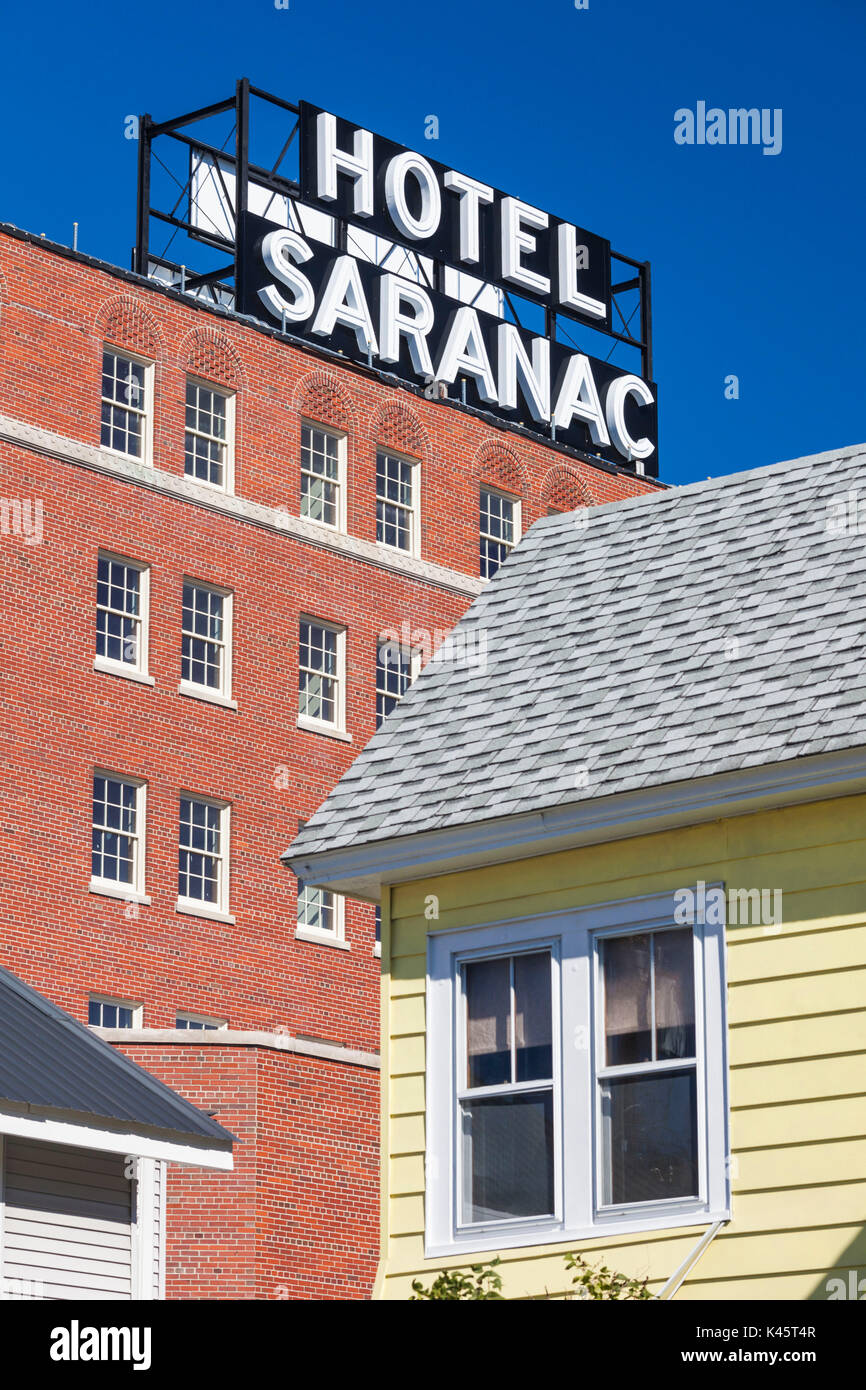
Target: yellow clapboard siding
x,y
777,1126
798,995
837,1204
783,1251
802,1037
758,958
408,1055
793,1079
407,1015
811,1284
407,973
407,1174
406,1095
407,1215
798,1165
407,1134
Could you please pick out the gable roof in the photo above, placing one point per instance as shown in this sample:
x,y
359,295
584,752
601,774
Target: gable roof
x,y
48,1060
715,627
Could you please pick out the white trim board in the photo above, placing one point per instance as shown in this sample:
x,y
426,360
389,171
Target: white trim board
x,y
360,870
92,1135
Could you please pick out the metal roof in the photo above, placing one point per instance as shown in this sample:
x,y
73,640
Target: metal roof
x,y
709,629
50,1061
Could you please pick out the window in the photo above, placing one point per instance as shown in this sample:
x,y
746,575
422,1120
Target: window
x,y
397,502
377,945
500,529
104,1012
396,668
321,914
200,1023
576,1078
321,676
205,662
202,877
126,404
117,836
122,603
209,438
323,490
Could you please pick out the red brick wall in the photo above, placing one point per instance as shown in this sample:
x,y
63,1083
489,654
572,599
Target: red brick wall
x,y
61,719
293,1220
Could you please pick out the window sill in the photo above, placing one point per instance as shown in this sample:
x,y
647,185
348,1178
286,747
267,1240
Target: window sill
x,y
399,549
107,889
119,668
221,488
128,458
339,530
202,692
193,909
322,939
311,727
550,1233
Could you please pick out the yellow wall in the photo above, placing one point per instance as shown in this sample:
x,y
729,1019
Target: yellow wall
x,y
797,1050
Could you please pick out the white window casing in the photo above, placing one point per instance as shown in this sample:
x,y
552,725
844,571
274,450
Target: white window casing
x,y
122,617
321,917
398,502
207,626
322,677
118,836
204,851
323,475
579,1211
209,435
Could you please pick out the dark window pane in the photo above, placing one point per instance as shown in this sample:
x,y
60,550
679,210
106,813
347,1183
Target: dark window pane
x,y
627,1029
93,1012
508,1157
674,994
488,1022
651,1142
532,1017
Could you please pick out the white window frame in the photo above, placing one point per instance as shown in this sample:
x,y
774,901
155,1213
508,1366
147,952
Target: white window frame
x,y
342,472
109,887
337,937
222,695
577,1162
415,510
136,1009
137,671
146,456
517,519
197,907
230,397
210,1024
337,727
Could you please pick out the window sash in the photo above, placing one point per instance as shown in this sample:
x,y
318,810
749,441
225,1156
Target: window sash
x,y
322,476
321,903
203,864
320,673
124,411
205,650
114,574
126,834
207,433
497,530
396,501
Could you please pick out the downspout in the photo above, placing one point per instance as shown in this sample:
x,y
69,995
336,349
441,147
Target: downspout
x,y
690,1261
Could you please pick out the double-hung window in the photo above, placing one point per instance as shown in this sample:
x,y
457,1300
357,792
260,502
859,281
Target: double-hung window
x,y
397,515
205,663
209,436
199,1023
203,857
499,529
321,914
122,603
323,476
321,676
127,404
576,1077
117,836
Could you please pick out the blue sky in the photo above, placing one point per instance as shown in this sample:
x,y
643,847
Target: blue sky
x,y
756,258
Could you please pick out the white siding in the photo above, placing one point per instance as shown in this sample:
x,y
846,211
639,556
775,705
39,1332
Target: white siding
x,y
67,1223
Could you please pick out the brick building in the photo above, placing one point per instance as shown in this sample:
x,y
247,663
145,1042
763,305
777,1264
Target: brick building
x,y
195,577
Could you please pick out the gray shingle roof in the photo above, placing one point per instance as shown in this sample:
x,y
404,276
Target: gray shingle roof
x,y
50,1060
707,629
